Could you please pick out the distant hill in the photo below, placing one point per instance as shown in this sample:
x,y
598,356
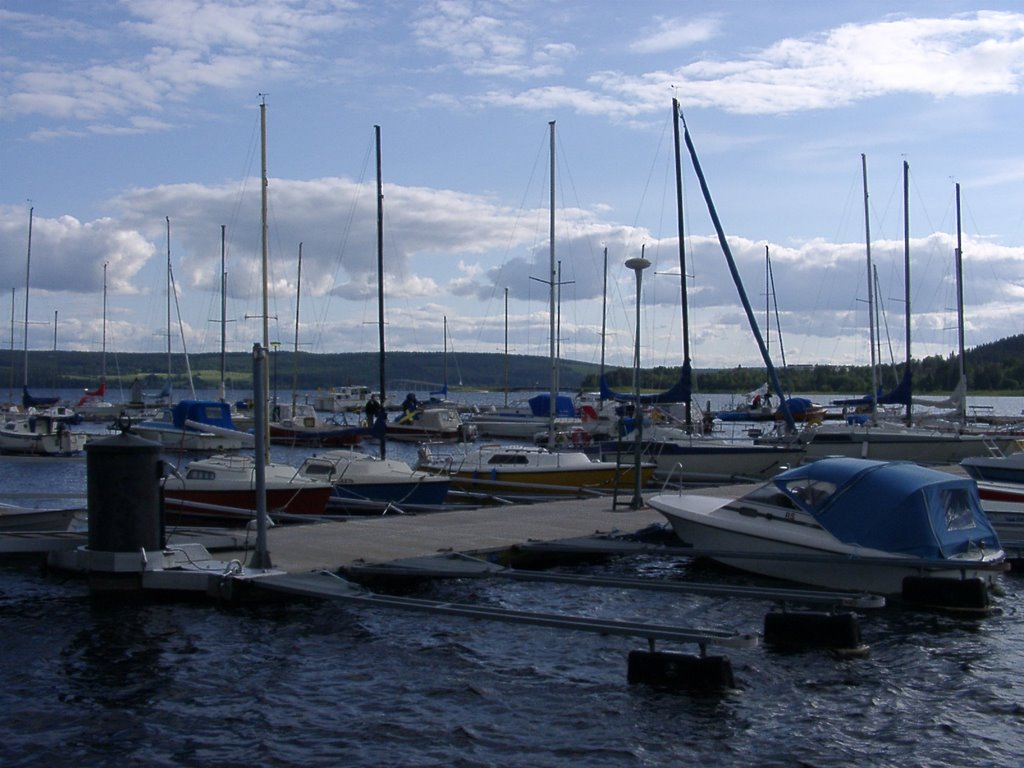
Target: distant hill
x,y
994,367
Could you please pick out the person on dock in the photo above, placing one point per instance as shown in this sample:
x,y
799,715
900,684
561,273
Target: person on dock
x,y
409,407
372,409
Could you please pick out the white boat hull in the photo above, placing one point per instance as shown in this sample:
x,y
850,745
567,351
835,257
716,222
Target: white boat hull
x,y
789,550
921,446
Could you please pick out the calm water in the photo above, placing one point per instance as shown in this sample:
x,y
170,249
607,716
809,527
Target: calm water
x,y
331,685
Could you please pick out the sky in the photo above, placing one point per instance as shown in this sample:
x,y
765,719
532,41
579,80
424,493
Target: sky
x,y
130,137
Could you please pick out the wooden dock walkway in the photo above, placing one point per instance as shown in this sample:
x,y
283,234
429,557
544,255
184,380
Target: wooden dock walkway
x,y
381,539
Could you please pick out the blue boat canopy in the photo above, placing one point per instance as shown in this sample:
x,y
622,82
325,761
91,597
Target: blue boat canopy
x,y
898,507
540,405
211,412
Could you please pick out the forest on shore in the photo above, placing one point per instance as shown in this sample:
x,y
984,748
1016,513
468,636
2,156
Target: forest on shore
x,y
995,368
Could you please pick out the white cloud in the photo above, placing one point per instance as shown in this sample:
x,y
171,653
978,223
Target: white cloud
x,y
484,39
672,34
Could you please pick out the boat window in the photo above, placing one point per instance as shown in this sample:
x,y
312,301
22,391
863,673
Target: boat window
x,y
200,474
508,458
956,505
318,469
769,494
813,493
213,413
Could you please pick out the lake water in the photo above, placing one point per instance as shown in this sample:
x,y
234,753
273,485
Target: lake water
x,y
89,683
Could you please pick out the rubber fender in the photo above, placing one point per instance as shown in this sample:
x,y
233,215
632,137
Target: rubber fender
x,y
679,671
812,629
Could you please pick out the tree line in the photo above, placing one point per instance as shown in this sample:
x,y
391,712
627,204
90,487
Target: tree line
x,y
994,367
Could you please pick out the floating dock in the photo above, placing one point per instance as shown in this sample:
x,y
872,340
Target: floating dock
x,y
385,538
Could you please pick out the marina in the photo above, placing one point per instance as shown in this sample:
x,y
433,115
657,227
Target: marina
x,y
579,605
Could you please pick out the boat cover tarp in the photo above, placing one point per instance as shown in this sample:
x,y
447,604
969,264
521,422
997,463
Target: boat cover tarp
x,y
30,401
898,507
540,405
901,394
798,406
680,392
211,412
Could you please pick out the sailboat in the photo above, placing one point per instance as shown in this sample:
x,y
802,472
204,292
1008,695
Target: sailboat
x,y
680,454
525,419
35,432
535,470
92,406
870,437
298,423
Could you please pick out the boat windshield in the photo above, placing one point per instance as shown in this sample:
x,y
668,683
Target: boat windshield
x,y
810,493
318,468
956,505
769,494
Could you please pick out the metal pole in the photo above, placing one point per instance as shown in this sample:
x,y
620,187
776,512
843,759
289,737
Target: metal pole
x,y
28,272
261,557
638,266
380,286
552,331
223,314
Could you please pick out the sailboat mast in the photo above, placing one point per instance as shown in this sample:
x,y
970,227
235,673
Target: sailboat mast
x,y
169,288
906,278
962,406
676,118
871,289
604,315
28,272
103,358
380,279
295,357
444,358
734,271
551,296
506,347
223,314
264,403
10,392
767,301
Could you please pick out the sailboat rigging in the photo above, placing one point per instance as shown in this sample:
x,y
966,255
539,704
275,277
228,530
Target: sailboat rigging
x,y
27,400
681,455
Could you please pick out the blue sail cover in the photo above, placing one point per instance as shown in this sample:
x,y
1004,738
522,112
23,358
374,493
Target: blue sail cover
x,y
540,406
896,507
899,395
680,392
30,401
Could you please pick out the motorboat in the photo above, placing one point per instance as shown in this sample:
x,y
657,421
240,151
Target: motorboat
x,y
39,435
530,470
203,426
299,424
849,524
688,458
435,424
344,399
525,419
1002,469
221,490
1003,503
365,482
14,518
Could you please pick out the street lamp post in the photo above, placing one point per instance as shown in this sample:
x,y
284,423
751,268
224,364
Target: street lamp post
x,y
275,345
638,265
